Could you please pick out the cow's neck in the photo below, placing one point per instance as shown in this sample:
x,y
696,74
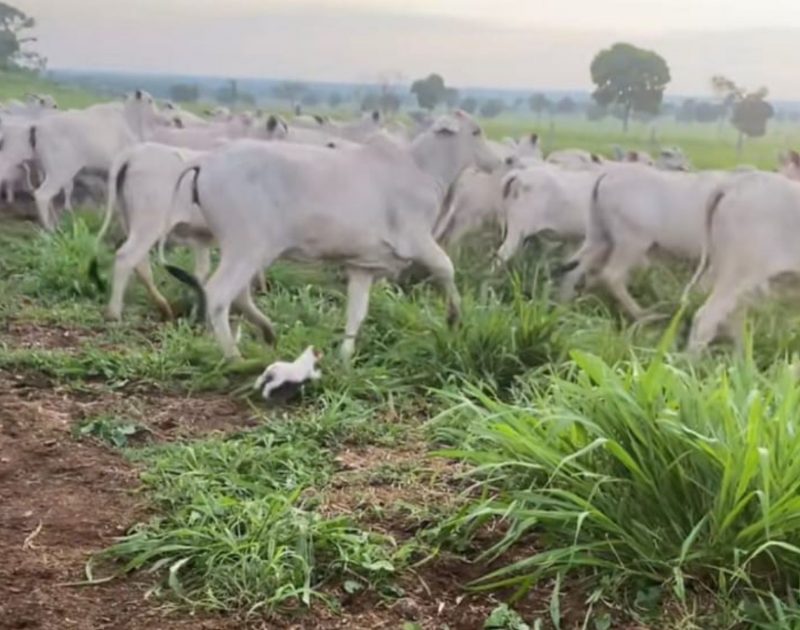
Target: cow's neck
x,y
434,157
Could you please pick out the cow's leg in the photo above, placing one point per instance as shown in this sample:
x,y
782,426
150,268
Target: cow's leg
x,y
53,184
130,256
438,263
229,280
733,326
145,273
588,260
244,302
69,188
9,192
359,283
511,243
44,200
615,276
721,304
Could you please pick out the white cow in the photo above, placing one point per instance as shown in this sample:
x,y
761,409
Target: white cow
x,y
182,118
574,159
751,230
477,197
371,208
544,198
358,130
634,210
64,144
141,183
35,106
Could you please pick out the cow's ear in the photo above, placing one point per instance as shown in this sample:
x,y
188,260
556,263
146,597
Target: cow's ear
x,y
794,157
445,126
510,186
534,138
376,116
633,156
596,158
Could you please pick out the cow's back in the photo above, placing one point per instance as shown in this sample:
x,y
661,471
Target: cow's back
x,y
313,201
90,138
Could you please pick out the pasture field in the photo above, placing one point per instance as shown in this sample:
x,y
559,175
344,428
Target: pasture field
x,y
540,466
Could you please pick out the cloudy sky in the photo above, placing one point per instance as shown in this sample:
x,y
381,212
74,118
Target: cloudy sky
x,y
495,43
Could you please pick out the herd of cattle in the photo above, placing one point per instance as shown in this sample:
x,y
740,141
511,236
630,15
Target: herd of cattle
x,y
374,197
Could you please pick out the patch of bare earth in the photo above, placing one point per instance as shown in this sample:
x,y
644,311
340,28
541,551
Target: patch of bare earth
x,y
60,501
30,336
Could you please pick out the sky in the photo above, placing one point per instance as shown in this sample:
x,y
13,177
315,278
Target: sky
x,y
529,44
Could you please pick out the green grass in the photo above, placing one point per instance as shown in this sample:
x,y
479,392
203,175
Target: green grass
x,y
638,474
15,85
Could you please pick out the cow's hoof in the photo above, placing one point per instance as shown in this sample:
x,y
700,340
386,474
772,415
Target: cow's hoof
x,y
453,316
167,314
347,350
268,333
112,316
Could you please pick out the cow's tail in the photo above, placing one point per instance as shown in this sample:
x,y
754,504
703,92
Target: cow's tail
x,y
116,188
705,257
179,274
445,218
598,237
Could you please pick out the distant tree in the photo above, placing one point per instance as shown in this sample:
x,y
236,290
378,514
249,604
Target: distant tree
x,y
451,97
630,77
595,112
228,94
469,105
13,26
492,107
389,102
539,104
184,92
334,99
291,91
370,102
705,112
749,111
686,112
566,106
429,91
245,98
389,99
310,99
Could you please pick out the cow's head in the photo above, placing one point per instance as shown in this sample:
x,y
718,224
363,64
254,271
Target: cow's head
x,y
459,139
277,129
790,165
141,113
673,159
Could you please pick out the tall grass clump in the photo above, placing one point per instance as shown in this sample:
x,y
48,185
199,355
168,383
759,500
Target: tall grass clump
x,y
638,473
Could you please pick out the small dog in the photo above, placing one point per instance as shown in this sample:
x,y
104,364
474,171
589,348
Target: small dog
x,y
283,379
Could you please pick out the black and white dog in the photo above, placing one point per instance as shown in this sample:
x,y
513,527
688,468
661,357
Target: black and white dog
x,y
283,380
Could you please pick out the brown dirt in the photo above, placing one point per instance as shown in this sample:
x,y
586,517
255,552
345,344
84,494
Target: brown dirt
x,y
28,336
61,500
